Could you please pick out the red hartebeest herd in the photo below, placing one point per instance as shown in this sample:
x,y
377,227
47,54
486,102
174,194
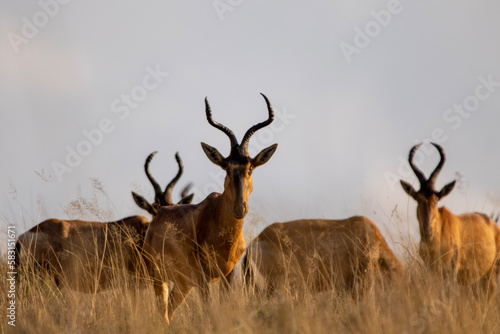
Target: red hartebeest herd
x,y
191,245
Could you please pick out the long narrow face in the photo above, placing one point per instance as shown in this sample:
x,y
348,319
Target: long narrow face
x,y
427,213
427,197
239,184
238,165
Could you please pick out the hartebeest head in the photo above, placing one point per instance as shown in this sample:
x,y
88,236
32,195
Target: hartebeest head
x,y
238,165
427,197
162,198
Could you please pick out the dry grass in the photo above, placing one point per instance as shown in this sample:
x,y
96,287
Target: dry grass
x,y
420,304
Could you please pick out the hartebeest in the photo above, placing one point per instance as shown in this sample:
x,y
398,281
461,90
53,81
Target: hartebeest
x,y
466,246
162,198
192,245
85,256
320,254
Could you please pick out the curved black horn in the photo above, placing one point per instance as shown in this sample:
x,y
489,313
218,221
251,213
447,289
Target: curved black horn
x,y
253,129
170,186
225,129
186,189
418,172
156,186
435,173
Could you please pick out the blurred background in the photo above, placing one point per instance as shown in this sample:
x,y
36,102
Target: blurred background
x,y
89,89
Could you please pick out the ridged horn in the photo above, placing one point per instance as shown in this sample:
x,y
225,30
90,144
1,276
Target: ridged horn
x,y
420,176
156,186
225,129
170,186
437,170
253,129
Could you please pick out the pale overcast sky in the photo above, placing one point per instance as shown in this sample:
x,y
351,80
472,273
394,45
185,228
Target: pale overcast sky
x,y
354,85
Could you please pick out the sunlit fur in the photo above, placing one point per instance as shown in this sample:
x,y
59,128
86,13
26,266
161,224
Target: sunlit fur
x,y
465,247
193,245
318,254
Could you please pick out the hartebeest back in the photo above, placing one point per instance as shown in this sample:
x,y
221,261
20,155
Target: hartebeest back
x,y
467,246
320,254
192,245
86,256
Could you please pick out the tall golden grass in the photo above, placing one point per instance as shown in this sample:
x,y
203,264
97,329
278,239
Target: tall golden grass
x,y
421,302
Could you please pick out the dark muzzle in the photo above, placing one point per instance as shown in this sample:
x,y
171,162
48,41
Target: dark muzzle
x,y
240,211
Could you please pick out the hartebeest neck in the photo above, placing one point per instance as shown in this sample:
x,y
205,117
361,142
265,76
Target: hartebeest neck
x,y
448,221
440,224
226,216
216,222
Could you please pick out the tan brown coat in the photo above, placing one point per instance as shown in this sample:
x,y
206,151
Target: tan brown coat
x,y
319,254
81,255
192,245
465,247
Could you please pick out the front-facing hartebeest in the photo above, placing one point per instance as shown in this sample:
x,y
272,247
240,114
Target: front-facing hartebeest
x,y
320,254
466,246
192,245
87,256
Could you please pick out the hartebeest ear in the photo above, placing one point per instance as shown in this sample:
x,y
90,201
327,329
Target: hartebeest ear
x,y
143,204
186,199
214,155
264,156
446,189
408,188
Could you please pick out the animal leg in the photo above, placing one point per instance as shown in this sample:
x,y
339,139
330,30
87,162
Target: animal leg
x,y
162,293
489,282
450,274
179,292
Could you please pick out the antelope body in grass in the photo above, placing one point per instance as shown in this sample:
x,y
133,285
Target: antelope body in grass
x,y
320,254
193,245
86,256
466,246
